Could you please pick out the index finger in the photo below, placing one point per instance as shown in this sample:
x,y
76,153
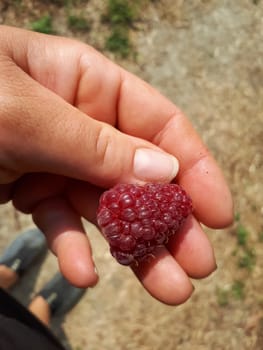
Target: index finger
x,y
145,113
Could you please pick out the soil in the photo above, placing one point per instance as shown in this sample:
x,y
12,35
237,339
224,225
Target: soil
x,y
207,56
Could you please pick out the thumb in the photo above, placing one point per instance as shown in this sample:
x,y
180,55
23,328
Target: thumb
x,y
53,136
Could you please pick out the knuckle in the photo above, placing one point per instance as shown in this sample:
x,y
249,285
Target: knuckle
x,y
103,145
109,154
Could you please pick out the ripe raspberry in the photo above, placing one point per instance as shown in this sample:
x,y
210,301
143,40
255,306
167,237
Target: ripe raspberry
x,y
135,219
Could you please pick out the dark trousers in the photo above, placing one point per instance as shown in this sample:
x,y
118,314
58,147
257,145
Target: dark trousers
x,y
21,330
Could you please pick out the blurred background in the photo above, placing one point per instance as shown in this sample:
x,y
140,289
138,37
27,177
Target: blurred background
x,y
207,57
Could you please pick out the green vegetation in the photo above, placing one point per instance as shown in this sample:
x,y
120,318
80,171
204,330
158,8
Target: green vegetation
x,y
77,22
222,297
242,235
120,12
247,259
73,2
237,217
118,42
43,25
245,254
17,2
120,16
236,291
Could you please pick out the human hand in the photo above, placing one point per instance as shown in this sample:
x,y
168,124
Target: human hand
x,y
72,123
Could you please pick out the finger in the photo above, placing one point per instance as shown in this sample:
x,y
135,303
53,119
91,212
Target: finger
x,y
199,174
31,189
164,278
67,239
192,250
84,198
168,128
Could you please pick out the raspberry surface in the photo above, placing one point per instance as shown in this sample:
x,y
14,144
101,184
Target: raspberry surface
x,y
136,219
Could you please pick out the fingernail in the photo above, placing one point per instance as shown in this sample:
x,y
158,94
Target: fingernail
x,y
150,165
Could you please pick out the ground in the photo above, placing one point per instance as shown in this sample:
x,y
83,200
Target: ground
x,y
207,56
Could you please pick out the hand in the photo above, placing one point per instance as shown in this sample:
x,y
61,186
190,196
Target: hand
x,y
71,123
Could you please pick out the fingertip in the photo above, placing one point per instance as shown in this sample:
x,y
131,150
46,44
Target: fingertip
x,y
76,263
212,199
67,239
178,298
164,279
80,277
220,214
192,249
152,165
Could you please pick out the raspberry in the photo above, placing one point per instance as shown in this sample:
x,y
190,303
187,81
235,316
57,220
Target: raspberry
x,y
135,219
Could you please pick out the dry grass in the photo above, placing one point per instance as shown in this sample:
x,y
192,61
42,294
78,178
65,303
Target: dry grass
x,y
208,58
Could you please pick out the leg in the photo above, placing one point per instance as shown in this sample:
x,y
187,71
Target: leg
x,y
40,308
19,255
8,277
57,297
20,329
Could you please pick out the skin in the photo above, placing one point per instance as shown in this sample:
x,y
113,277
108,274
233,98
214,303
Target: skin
x,y
38,306
71,122
8,277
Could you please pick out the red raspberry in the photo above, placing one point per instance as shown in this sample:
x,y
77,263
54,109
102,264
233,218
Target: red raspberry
x,y
135,219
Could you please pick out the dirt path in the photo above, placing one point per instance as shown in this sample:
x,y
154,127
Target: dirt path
x,y
208,58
